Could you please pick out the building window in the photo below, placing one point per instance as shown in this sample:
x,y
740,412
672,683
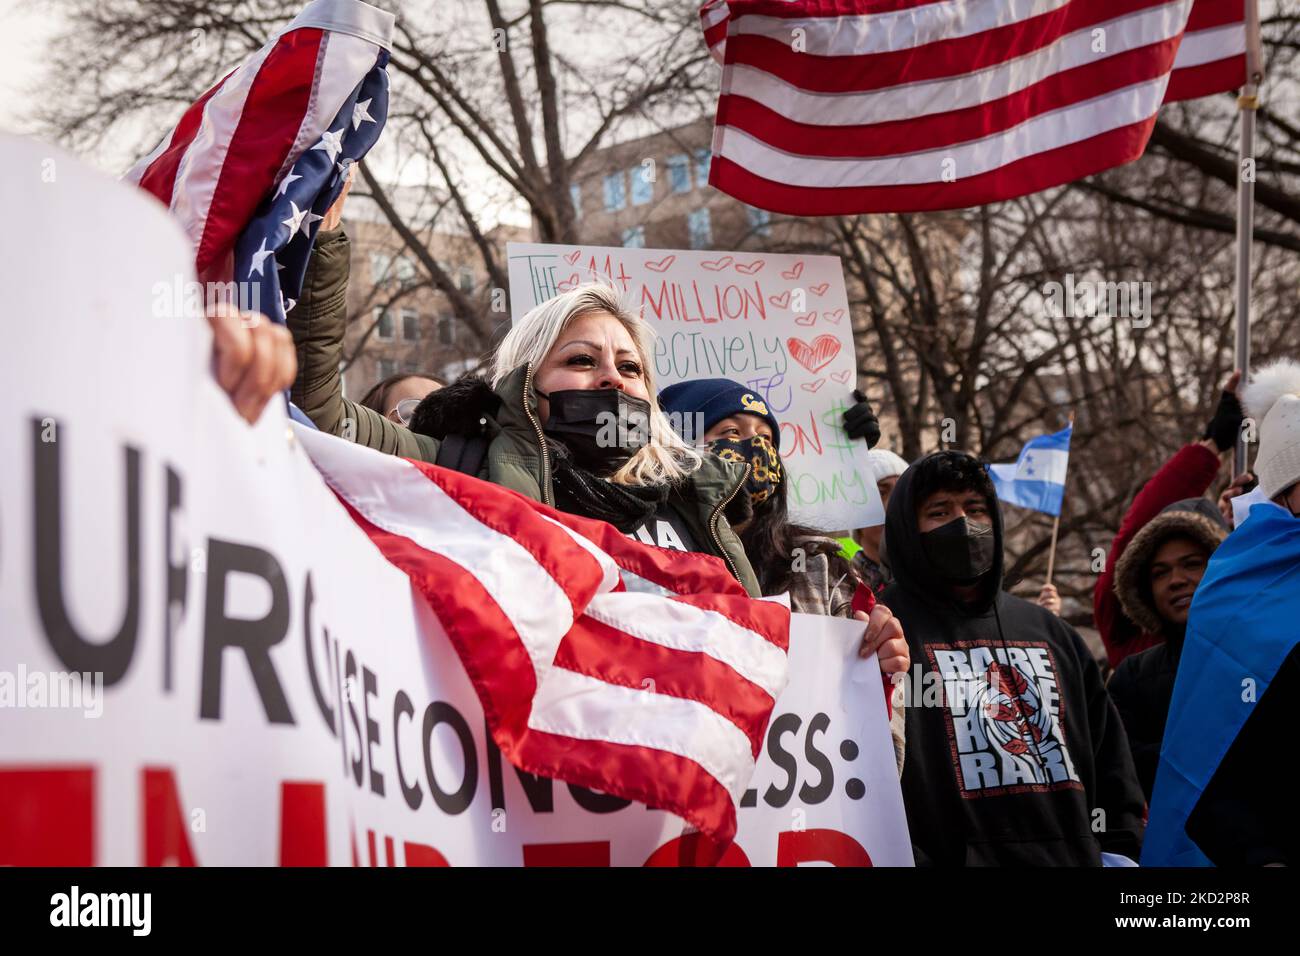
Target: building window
x,y
384,325
405,270
701,167
410,325
760,220
466,280
634,238
575,194
446,330
701,233
387,367
379,266
615,192
679,173
643,188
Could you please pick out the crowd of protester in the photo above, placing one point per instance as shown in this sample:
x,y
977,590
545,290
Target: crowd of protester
x,y
1047,763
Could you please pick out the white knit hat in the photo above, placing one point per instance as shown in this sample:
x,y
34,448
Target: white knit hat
x,y
1273,399
885,464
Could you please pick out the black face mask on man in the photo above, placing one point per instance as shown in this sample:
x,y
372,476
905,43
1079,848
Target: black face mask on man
x,y
961,550
601,427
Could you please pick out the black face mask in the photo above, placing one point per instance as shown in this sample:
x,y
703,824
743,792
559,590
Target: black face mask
x,y
764,461
960,551
602,428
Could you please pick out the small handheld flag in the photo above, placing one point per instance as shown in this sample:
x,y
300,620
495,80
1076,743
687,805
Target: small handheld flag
x,y
253,165
1037,478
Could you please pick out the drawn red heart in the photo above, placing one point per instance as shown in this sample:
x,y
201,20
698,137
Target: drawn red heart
x,y
718,264
841,377
751,268
568,283
820,289
573,258
662,265
813,386
793,273
816,356
834,317
780,301
808,319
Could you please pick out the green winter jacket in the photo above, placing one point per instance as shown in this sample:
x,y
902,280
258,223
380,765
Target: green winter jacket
x,y
516,455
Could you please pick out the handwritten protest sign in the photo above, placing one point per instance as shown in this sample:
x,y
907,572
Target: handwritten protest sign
x,y
779,324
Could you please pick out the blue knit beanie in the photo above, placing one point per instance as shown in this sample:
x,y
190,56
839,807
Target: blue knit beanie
x,y
714,399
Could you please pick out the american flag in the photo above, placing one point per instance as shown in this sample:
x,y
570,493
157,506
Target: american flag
x,y
254,164
832,107
637,671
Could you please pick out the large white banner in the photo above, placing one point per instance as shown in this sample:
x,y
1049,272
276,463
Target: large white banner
x,y
203,660
778,324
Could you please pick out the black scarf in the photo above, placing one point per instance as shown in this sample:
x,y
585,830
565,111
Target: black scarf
x,y
580,492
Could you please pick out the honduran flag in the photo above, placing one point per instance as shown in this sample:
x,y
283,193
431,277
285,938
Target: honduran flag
x,y
1241,627
254,163
1037,478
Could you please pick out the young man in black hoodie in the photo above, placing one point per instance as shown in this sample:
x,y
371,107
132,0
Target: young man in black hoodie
x,y
1016,755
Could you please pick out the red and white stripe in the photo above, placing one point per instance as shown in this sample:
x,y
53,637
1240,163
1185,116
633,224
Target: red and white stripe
x,y
233,145
842,106
1212,57
657,688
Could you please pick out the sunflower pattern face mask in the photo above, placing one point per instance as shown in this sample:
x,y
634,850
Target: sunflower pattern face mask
x,y
765,471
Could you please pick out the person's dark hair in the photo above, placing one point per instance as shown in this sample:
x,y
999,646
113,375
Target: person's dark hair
x,y
770,539
950,471
377,397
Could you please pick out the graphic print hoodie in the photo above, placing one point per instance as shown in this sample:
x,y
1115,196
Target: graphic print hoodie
x,y
1015,752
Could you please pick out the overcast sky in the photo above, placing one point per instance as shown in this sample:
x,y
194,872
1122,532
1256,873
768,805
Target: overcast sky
x,y
25,27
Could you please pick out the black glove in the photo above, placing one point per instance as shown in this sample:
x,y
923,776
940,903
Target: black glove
x,y
1225,426
861,422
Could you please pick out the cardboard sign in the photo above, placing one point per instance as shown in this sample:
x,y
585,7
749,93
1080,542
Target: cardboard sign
x,y
778,324
203,660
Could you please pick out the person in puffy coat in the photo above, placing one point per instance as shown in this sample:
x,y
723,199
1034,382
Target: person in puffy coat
x,y
1155,582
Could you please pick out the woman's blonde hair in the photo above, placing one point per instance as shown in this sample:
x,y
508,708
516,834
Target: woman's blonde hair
x,y
665,458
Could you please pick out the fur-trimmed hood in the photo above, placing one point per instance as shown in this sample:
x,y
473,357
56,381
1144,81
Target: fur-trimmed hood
x,y
1131,586
463,407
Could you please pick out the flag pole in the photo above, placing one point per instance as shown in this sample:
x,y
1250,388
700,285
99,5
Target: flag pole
x,y
1247,105
1051,554
1056,527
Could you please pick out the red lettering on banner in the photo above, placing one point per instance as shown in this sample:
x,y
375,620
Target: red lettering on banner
x,y
166,842
303,838
47,817
693,849
567,854
821,846
418,854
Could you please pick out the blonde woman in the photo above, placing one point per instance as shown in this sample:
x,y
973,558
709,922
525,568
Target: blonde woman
x,y
568,417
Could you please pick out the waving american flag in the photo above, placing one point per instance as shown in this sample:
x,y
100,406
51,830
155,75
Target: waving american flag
x,y
643,673
254,164
832,107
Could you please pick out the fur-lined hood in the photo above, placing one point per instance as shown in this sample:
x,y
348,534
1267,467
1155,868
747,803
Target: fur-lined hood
x,y
464,407
1131,585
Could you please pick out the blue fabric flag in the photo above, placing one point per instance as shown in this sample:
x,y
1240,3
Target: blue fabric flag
x,y
1037,478
1242,625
